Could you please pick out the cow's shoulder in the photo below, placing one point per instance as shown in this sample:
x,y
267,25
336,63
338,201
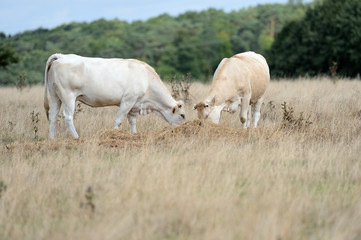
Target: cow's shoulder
x,y
221,69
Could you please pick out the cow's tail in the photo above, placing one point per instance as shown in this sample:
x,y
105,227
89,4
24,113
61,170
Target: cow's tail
x,y
51,59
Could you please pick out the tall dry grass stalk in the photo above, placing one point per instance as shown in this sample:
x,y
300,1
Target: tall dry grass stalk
x,y
270,183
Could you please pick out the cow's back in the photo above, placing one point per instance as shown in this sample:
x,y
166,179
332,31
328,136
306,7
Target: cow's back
x,y
101,82
252,68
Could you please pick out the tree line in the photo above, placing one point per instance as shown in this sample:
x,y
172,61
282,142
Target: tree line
x,y
195,42
192,42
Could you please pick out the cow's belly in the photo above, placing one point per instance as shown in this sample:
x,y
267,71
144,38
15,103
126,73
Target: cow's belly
x,y
99,100
114,95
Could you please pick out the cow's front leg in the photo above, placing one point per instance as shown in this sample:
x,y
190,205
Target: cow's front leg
x,y
132,118
124,109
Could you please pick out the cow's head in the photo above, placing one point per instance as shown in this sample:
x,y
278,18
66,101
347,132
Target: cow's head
x,y
176,114
208,110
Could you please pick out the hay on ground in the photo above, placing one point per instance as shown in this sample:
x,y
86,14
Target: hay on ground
x,y
191,129
196,129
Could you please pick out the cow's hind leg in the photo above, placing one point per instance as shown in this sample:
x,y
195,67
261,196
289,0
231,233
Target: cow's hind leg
x,y
68,114
257,112
124,108
249,116
132,118
244,109
55,105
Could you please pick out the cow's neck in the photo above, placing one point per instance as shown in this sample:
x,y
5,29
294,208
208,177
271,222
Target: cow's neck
x,y
158,93
221,91
160,100
155,106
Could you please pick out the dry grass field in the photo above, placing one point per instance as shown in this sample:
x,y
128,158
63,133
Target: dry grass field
x,y
295,177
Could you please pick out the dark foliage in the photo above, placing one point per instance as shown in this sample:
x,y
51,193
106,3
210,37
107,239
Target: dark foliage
x,y
328,35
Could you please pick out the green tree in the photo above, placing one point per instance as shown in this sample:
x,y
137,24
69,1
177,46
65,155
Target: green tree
x,y
189,54
193,42
329,32
7,55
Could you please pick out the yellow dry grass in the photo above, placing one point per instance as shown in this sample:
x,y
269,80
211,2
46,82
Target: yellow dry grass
x,y
193,181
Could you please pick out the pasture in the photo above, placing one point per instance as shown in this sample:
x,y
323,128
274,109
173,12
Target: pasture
x,y
297,176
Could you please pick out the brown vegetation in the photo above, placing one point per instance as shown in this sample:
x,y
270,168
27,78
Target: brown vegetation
x,y
297,176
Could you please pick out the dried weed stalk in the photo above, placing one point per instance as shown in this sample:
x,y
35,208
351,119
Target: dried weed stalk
x,y
35,123
22,82
333,70
270,111
78,109
180,88
89,200
3,188
291,121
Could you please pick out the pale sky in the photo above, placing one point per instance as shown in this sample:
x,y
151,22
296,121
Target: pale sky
x,y
21,15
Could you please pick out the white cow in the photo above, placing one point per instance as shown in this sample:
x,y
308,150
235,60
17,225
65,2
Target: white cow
x,y
130,84
239,80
